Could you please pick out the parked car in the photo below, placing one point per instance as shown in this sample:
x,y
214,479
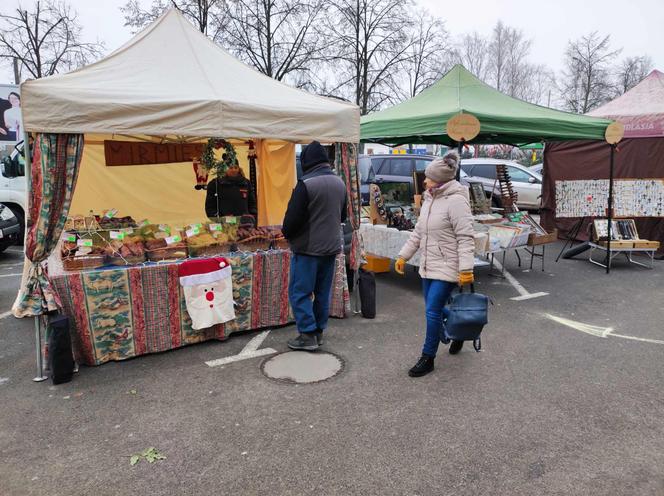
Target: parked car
x,y
527,184
391,169
13,186
539,168
10,228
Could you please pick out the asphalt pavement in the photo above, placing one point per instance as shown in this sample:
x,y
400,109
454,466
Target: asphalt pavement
x,y
549,407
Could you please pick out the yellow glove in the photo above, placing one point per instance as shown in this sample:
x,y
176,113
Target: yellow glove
x,y
400,266
466,277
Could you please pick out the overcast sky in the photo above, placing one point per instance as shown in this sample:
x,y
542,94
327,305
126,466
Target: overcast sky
x,y
637,25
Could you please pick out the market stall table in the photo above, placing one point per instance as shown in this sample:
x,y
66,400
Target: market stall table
x,y
122,312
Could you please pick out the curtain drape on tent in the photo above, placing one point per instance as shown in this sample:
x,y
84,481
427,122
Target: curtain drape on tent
x,y
55,165
276,180
346,165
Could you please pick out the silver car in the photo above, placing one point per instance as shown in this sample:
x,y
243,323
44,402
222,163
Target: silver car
x,y
526,183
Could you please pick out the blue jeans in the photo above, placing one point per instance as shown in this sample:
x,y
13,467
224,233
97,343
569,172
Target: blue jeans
x,y
311,275
436,294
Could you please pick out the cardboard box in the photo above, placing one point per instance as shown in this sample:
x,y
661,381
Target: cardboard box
x,y
541,239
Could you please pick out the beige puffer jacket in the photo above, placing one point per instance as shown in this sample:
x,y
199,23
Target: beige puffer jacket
x,y
444,233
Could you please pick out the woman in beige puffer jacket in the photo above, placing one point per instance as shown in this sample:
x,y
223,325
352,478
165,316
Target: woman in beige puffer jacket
x,y
444,235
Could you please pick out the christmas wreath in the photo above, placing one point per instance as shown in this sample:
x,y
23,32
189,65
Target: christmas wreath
x,y
228,157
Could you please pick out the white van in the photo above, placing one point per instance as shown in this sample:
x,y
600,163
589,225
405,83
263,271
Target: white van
x,y
13,186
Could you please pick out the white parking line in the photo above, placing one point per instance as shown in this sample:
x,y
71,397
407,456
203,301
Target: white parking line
x,y
6,314
523,292
11,275
6,266
599,332
9,250
249,351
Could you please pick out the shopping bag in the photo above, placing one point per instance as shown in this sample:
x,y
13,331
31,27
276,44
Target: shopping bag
x,y
60,357
469,313
367,289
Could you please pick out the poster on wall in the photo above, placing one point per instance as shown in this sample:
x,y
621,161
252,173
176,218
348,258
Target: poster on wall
x,y
11,121
589,198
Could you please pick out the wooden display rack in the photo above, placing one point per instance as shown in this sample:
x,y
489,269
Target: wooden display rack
x,y
625,246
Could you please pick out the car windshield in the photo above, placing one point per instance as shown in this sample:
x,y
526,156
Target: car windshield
x,y
366,172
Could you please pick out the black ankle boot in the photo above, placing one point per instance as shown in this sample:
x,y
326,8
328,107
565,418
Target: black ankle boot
x,y
455,347
423,366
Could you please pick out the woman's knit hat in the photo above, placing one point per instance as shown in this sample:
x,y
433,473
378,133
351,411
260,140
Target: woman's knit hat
x,y
442,170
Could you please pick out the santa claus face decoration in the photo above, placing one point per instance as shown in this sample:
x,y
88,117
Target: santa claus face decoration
x,y
209,295
208,290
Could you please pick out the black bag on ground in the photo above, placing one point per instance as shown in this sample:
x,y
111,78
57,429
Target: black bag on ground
x,y
367,288
60,358
469,313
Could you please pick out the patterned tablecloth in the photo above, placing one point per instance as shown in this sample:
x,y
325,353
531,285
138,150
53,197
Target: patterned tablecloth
x,y
120,313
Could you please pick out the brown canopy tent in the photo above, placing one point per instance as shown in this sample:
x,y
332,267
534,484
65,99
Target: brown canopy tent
x,y
639,155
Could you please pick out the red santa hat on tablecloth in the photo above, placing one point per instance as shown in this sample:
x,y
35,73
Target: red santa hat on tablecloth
x,y
203,271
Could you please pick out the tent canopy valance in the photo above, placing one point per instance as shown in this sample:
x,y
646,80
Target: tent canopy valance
x,y
170,79
503,119
640,110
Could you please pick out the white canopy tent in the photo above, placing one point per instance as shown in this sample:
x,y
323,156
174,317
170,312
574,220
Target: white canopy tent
x,y
170,79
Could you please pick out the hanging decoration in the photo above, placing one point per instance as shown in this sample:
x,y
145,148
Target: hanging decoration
x,y
201,174
252,155
228,157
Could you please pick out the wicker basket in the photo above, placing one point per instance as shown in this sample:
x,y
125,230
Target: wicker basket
x,y
122,261
255,243
210,250
174,252
85,262
280,244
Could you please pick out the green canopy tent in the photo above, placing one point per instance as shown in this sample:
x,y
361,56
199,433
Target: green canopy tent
x,y
503,119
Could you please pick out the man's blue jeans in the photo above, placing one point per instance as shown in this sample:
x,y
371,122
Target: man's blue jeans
x,y
436,294
311,275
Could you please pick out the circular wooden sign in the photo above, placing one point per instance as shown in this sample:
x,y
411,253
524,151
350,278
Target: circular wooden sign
x,y
463,127
614,132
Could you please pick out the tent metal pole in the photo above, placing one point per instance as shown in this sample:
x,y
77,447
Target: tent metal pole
x,y
460,150
27,153
40,361
610,212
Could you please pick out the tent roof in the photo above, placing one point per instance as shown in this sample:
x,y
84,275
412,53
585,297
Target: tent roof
x,y
640,109
503,119
170,79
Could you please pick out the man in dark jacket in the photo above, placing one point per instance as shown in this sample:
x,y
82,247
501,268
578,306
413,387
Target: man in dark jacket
x,y
312,226
231,194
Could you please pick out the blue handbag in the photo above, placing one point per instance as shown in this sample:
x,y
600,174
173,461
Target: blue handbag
x,y
468,314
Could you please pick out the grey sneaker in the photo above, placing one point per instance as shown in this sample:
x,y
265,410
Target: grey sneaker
x,y
304,341
319,337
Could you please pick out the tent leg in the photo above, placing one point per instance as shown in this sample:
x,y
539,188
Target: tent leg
x,y
40,361
610,211
460,150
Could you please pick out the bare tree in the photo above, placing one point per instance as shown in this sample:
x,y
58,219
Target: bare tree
x,y
45,40
508,52
587,78
428,56
370,41
631,72
472,52
199,12
537,84
280,38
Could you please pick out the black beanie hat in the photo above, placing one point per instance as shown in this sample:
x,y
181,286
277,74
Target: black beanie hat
x,y
313,154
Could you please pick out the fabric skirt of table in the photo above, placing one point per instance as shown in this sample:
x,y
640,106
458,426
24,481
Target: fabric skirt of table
x,y
126,312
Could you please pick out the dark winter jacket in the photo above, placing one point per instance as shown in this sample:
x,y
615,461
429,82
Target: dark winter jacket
x,y
317,208
230,196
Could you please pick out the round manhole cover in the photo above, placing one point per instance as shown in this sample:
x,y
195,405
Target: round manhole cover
x,y
301,367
